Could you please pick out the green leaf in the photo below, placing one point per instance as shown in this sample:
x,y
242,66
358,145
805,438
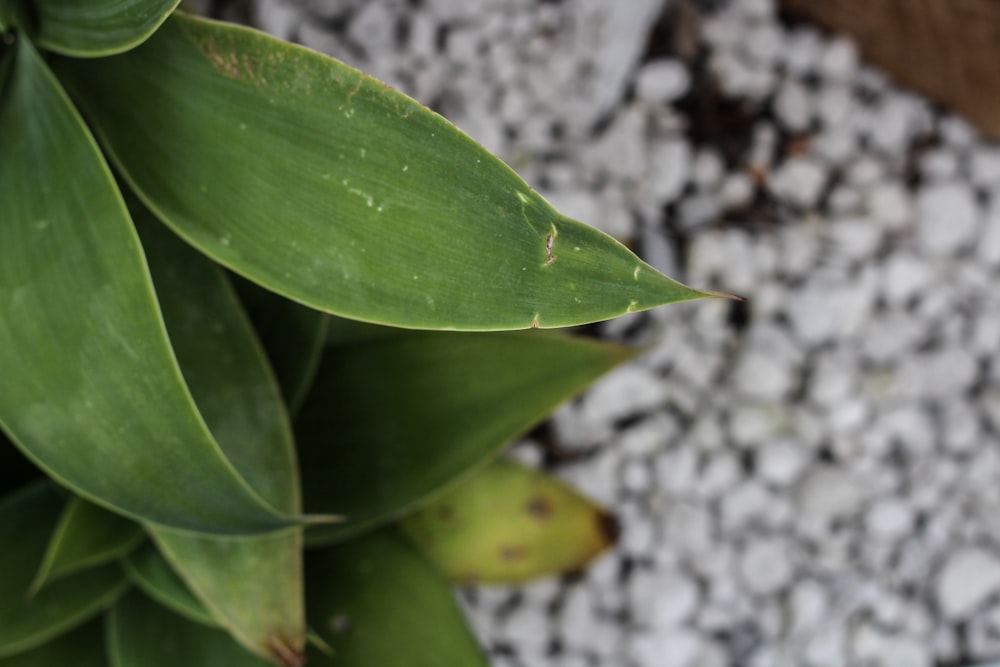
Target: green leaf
x,y
394,417
252,585
98,27
26,521
142,633
292,335
376,601
83,647
223,364
151,572
325,185
86,536
508,524
92,392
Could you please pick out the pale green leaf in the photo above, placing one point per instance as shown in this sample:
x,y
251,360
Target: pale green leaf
x,y
394,415
142,633
325,185
149,570
376,601
98,27
252,585
27,518
85,536
92,392
509,523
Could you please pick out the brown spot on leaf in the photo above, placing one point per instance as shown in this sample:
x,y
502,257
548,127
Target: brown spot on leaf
x,y
511,552
445,512
608,527
540,507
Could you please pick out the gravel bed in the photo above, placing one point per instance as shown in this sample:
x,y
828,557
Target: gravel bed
x,y
808,478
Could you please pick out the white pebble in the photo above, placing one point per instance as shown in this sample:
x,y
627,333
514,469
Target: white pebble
x,y
793,105
968,578
889,203
889,519
799,180
947,217
828,492
839,60
662,80
765,566
781,462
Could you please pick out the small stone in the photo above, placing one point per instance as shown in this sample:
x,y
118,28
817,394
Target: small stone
x,y
889,519
737,191
802,51
988,248
984,166
947,217
528,626
759,375
855,238
967,579
812,319
765,567
889,204
698,211
636,476
677,648
939,164
763,42
707,169
721,473
662,80
799,180
828,492
624,392
808,604
676,470
663,600
747,503
669,170
904,278
793,105
839,60
781,462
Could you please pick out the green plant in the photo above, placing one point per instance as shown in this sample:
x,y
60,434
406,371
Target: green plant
x,y
283,241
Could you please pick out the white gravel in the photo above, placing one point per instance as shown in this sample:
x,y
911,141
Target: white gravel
x,y
809,479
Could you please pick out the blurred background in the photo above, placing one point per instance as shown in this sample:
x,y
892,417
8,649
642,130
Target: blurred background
x,y
807,478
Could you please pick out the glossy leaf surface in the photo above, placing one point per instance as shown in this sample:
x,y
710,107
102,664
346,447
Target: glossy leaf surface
x,y
509,523
98,27
376,601
27,518
82,647
292,336
151,573
325,185
93,393
252,585
142,633
397,415
85,536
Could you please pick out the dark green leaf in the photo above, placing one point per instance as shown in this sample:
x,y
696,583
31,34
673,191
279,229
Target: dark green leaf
x,y
394,418
509,523
83,647
142,633
252,585
27,518
151,572
292,335
98,27
325,185
86,536
91,391
376,601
